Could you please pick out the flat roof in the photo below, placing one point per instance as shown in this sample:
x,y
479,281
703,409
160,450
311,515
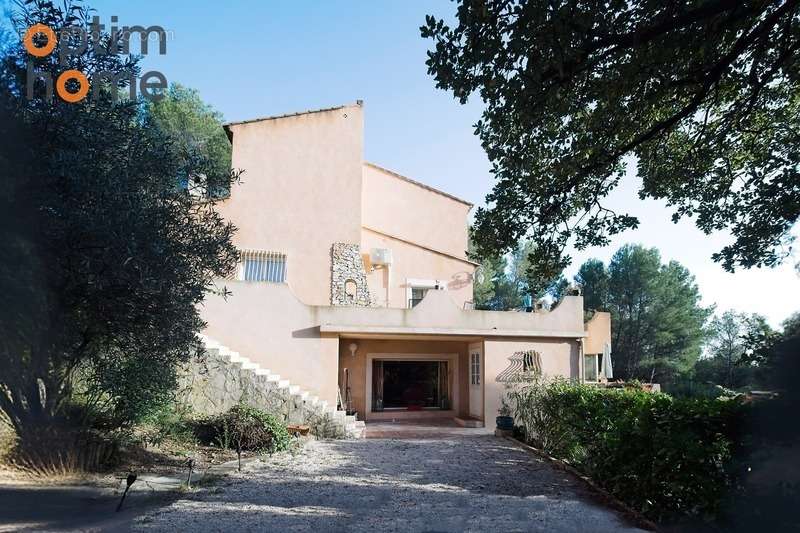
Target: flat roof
x,y
418,183
448,332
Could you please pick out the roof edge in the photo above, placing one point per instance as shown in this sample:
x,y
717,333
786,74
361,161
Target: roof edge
x,y
419,184
359,103
443,331
418,245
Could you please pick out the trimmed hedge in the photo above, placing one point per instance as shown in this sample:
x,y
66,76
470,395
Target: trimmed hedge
x,y
666,457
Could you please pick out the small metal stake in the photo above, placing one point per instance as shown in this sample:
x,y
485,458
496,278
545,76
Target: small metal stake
x,y
189,478
131,478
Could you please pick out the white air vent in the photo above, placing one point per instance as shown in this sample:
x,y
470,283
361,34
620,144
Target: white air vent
x,y
380,256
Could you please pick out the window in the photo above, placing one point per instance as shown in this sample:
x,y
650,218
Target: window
x,y
263,266
475,369
417,294
416,289
531,362
592,366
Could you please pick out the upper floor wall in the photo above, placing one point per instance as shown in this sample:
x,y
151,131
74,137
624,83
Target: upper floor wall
x,y
425,229
300,191
305,188
397,206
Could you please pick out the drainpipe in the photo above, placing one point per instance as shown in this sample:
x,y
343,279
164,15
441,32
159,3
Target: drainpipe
x,y
388,282
581,361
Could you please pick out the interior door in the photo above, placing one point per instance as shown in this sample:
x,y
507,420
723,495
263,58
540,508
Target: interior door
x,y
475,378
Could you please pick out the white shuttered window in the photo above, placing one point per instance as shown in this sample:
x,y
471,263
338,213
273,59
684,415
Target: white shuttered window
x,y
263,266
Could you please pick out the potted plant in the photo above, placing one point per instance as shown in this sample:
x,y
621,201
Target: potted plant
x,y
504,421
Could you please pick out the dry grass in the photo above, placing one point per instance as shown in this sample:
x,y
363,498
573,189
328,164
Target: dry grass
x,y
54,465
65,457
56,454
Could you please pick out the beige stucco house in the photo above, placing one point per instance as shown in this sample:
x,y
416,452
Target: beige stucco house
x,y
354,283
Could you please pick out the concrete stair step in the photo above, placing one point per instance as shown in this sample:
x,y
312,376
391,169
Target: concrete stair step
x,y
303,401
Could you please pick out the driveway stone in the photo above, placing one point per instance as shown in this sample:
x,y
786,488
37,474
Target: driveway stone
x,y
467,483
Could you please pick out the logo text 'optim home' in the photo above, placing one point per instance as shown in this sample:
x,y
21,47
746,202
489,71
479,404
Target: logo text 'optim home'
x,y
72,41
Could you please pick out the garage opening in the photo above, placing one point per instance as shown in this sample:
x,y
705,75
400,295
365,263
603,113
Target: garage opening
x,y
410,385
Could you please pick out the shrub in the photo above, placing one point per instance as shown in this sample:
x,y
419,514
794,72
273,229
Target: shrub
x,y
665,457
245,428
62,451
174,422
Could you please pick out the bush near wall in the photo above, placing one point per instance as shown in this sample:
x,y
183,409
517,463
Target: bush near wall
x,y
245,428
666,457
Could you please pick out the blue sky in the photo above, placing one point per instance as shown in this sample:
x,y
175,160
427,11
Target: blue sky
x,y
253,58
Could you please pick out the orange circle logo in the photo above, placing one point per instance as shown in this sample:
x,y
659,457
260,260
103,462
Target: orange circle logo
x,y
32,48
61,86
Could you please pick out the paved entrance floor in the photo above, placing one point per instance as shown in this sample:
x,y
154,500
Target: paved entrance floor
x,y
420,429
467,482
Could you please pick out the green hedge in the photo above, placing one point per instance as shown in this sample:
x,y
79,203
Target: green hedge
x,y
666,457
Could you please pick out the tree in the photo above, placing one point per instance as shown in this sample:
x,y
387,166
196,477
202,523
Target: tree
x,y
725,363
104,259
791,326
194,127
657,324
774,354
506,280
704,97
484,289
593,279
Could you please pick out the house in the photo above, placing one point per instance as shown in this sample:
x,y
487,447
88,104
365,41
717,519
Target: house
x,y
354,284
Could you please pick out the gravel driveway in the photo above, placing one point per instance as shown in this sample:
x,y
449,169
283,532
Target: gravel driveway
x,y
477,483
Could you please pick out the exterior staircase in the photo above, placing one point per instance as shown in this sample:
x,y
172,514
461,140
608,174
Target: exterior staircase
x,y
246,381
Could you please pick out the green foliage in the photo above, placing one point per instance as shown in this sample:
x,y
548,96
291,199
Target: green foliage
x,y
245,428
776,355
506,281
702,96
767,496
104,259
499,290
490,272
791,326
726,364
657,324
593,279
170,422
663,456
194,127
